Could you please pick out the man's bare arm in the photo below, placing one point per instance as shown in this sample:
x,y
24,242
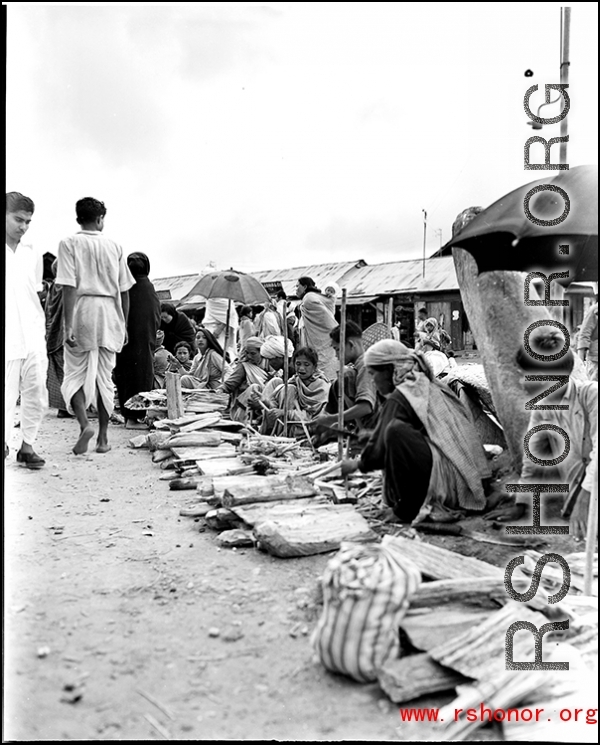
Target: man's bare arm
x,y
69,296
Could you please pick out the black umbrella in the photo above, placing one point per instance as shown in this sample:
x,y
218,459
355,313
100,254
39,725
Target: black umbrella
x,y
502,237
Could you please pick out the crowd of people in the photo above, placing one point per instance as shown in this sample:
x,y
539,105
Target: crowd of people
x,y
104,336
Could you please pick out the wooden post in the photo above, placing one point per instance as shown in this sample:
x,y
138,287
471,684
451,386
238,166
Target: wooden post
x,y
226,339
341,388
390,319
174,397
286,370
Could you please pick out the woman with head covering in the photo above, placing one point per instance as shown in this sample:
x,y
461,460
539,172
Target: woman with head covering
x,y
246,328
308,390
330,292
176,325
429,332
207,366
247,378
269,322
54,345
316,321
134,369
424,440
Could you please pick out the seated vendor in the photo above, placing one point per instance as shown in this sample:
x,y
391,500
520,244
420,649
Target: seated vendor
x,y
207,368
247,378
361,403
579,419
273,350
162,360
424,439
306,395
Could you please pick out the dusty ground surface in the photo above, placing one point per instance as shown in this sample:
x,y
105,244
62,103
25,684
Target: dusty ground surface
x,y
111,599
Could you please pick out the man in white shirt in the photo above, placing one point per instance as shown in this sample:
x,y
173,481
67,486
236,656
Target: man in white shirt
x,y
93,272
26,362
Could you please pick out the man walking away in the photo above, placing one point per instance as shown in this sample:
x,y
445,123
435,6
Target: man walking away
x,y
25,351
93,272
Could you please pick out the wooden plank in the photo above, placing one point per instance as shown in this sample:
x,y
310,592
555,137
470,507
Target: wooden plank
x,y
479,652
200,453
417,675
195,439
221,466
261,511
174,397
488,594
313,530
265,489
439,563
426,626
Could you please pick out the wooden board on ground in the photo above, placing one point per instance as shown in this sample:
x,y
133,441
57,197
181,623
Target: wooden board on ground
x,y
417,675
489,594
195,439
246,490
221,466
201,453
261,511
310,529
439,563
426,626
479,652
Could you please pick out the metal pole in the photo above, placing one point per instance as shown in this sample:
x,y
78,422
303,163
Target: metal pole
x,y
424,237
564,75
342,392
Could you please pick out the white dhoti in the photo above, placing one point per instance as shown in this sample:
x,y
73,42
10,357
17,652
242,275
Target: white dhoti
x,y
90,370
27,376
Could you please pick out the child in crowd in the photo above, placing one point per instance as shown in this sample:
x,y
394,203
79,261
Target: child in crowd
x,y
182,362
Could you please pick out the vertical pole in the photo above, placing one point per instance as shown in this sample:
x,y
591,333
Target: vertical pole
x,y
342,397
424,237
285,377
174,397
564,74
226,339
390,318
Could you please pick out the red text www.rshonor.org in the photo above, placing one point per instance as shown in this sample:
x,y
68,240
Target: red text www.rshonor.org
x,y
485,714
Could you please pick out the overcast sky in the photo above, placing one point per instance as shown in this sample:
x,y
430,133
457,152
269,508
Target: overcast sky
x,y
281,134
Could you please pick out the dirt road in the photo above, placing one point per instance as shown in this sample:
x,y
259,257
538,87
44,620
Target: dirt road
x,y
125,621
112,600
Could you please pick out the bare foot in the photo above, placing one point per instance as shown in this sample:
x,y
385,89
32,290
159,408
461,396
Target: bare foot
x,y
82,443
102,447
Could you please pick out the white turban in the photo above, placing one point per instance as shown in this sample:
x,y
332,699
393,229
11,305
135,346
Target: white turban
x,y
388,352
403,359
274,346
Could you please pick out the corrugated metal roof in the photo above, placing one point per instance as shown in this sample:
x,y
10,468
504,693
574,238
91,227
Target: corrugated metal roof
x,y
397,277
320,273
178,286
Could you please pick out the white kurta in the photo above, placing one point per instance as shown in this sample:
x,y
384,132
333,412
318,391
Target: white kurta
x,y
25,342
96,267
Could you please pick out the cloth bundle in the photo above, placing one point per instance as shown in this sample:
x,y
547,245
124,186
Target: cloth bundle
x,y
366,589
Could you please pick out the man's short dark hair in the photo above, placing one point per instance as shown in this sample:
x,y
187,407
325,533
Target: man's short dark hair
x,y
16,202
422,310
88,209
353,331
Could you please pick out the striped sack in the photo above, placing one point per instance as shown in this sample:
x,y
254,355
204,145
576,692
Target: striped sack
x,y
366,590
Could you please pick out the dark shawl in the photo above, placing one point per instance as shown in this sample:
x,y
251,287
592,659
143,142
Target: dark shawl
x,y
54,319
180,329
134,371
